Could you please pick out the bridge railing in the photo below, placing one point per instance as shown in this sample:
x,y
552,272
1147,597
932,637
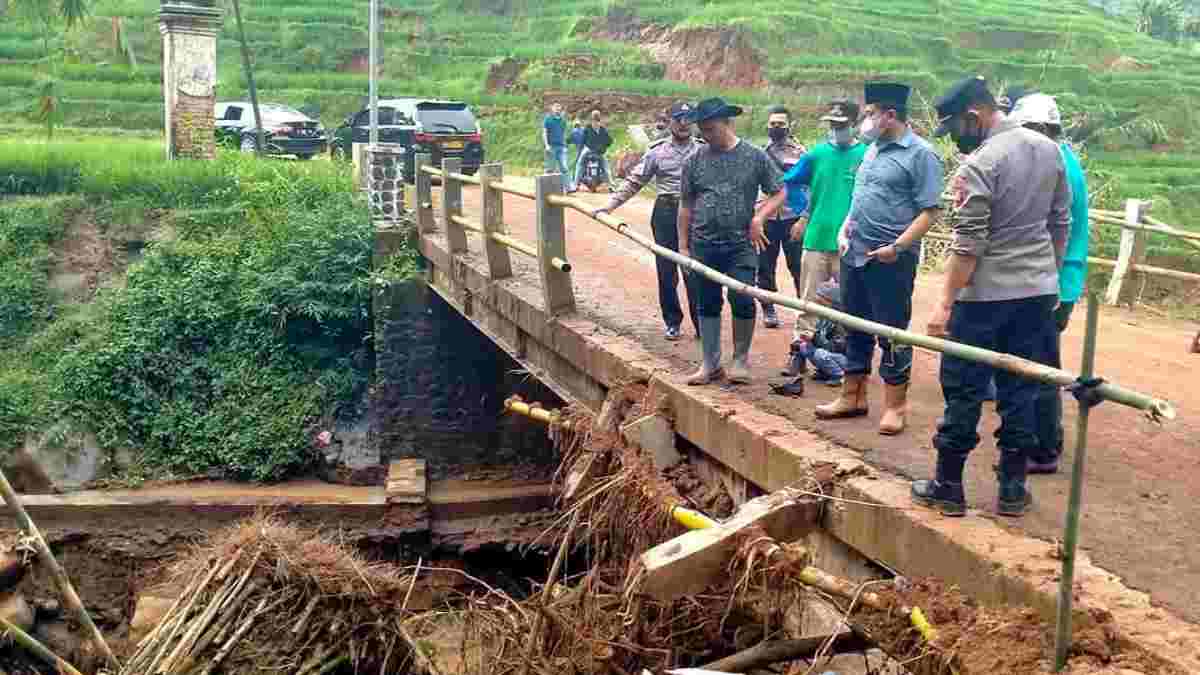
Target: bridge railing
x,y
560,298
1136,227
550,250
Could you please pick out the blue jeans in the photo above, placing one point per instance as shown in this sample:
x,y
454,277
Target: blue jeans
x,y
556,162
830,364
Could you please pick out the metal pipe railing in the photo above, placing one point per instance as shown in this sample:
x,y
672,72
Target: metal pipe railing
x,y
1157,409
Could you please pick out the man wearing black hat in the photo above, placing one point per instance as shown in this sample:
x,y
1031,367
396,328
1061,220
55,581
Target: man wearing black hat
x,y
897,194
663,163
1012,215
720,227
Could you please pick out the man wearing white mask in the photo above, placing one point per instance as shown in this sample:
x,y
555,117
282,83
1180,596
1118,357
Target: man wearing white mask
x,y
897,196
828,171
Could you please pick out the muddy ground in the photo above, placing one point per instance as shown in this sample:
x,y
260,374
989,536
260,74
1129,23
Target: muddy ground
x,y
1140,499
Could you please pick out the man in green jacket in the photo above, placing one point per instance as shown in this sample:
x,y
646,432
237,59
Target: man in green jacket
x,y
828,172
1040,113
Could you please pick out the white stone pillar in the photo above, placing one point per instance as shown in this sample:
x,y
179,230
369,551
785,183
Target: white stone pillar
x,y
189,30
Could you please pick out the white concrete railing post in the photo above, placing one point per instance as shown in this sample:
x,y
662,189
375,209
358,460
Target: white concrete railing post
x,y
1132,253
492,218
456,234
552,246
423,184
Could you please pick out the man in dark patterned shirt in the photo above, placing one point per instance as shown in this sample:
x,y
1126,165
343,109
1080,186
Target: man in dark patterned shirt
x,y
663,163
721,228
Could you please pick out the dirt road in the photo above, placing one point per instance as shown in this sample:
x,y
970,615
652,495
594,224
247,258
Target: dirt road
x,y
1142,498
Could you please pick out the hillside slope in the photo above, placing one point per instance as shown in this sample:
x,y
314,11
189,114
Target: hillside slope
x,y
1131,97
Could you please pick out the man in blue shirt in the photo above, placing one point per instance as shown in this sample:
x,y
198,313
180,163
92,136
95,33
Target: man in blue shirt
x,y
897,195
554,139
1040,112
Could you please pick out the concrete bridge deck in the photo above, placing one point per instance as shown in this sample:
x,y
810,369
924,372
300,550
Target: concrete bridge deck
x,y
1140,500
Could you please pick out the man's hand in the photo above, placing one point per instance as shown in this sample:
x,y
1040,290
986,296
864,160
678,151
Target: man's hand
x,y
758,237
939,321
843,242
684,250
885,254
798,227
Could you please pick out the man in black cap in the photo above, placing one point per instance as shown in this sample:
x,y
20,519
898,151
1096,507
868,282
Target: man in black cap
x,y
663,163
897,194
1012,216
720,227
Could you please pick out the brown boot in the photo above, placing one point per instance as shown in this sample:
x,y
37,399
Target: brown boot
x,y
896,406
851,403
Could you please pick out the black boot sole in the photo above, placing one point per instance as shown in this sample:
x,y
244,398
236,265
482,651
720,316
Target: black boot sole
x,y
1014,509
948,509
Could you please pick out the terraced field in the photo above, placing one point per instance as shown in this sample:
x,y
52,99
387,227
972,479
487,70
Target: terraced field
x,y
1131,97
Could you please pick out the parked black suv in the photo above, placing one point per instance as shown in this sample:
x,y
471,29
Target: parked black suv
x,y
287,130
440,128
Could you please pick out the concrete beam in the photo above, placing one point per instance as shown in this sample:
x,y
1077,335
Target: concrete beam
x,y
695,560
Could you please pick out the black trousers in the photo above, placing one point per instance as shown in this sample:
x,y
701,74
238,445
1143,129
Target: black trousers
x,y
1049,402
1020,327
779,237
881,293
665,227
738,260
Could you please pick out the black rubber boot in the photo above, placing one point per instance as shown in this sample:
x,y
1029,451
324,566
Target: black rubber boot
x,y
797,365
1014,496
945,492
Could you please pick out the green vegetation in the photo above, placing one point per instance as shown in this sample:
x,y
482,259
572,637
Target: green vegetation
x,y
236,335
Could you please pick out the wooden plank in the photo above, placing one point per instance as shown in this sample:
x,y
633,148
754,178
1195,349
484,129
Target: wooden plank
x,y
552,243
1132,252
406,482
693,561
456,236
498,257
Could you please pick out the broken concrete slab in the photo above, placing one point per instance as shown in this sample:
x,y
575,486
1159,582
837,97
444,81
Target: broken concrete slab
x,y
406,482
655,435
692,561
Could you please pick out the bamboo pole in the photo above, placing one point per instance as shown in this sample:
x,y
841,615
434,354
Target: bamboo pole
x,y
1156,409
551,417
1062,640
56,571
27,641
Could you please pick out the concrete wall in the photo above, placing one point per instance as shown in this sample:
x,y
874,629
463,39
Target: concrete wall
x,y
440,388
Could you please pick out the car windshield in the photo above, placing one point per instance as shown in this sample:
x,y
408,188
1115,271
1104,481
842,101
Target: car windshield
x,y
277,108
446,118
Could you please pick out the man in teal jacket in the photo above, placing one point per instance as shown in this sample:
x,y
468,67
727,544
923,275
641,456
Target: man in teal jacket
x,y
1040,113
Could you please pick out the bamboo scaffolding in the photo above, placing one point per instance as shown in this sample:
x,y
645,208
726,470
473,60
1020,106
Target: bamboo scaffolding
x,y
56,571
1156,409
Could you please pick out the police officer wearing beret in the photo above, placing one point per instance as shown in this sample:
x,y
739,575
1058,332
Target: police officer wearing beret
x,y
663,163
1010,225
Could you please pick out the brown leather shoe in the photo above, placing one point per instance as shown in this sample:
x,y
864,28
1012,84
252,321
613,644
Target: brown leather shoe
x,y
852,402
896,407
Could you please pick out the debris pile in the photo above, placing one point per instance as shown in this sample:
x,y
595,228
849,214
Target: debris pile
x,y
265,596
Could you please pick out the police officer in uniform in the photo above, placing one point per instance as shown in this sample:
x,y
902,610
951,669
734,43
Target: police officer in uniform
x,y
663,163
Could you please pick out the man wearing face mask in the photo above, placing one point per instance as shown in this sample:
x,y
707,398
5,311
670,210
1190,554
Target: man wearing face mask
x,y
1013,211
663,163
784,152
828,171
897,195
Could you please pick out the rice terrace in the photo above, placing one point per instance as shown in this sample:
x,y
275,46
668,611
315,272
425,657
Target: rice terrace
x,y
350,337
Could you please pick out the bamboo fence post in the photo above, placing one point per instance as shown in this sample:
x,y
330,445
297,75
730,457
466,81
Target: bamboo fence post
x,y
456,235
492,217
1133,250
1062,640
1156,409
56,571
423,184
552,243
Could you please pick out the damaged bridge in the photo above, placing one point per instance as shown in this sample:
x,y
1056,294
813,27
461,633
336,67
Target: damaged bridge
x,y
574,303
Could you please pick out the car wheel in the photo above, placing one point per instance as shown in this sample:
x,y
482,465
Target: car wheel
x,y
248,144
304,157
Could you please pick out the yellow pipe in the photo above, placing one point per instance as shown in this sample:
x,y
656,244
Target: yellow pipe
x,y
542,415
917,617
692,520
